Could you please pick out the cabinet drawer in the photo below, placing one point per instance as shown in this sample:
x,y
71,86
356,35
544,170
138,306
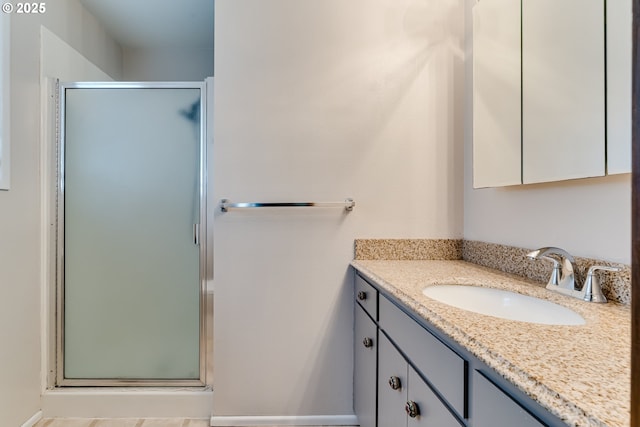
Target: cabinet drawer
x,y
444,368
367,297
491,407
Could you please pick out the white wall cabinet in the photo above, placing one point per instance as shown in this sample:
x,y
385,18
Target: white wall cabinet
x,y
496,93
563,98
619,52
544,108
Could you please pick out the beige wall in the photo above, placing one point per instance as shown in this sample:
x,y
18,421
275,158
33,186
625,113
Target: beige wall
x,y
20,242
323,100
587,217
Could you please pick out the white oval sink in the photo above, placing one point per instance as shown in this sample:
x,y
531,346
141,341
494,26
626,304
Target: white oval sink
x,y
504,304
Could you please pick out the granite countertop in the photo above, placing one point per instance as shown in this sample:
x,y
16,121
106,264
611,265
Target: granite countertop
x,y
579,373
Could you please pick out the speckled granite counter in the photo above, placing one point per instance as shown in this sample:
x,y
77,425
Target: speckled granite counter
x,y
579,373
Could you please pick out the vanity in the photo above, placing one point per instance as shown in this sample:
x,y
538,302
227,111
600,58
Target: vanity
x,y
422,362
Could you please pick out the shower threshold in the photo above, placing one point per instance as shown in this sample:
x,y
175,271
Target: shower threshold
x,y
128,402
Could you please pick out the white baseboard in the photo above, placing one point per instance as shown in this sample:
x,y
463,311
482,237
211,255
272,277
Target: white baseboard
x,y
118,403
311,420
33,420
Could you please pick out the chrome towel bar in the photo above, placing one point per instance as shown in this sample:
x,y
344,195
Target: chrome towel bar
x,y
225,205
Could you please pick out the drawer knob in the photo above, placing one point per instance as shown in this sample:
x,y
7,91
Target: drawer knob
x,y
367,342
411,408
362,295
394,383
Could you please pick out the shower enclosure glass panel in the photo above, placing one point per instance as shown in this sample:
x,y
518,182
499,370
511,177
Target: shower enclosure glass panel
x,y
131,186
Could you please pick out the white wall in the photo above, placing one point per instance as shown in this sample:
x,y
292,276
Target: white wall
x,y
588,217
20,246
323,100
167,64
61,61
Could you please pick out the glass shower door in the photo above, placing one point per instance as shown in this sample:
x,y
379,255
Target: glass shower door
x,y
130,196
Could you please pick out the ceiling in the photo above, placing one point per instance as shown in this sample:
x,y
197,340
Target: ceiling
x,y
156,23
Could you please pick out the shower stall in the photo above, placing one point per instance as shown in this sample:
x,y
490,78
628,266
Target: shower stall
x,y
131,234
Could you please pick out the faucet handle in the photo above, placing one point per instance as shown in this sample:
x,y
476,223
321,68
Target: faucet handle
x,y
556,274
592,290
602,267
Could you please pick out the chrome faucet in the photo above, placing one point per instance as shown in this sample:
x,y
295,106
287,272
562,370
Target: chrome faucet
x,y
563,278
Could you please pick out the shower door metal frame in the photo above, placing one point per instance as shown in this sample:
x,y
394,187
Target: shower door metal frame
x,y
201,233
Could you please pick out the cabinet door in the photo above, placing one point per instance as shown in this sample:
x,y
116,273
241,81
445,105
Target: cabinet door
x,y
444,368
392,385
432,411
364,376
496,94
563,98
492,408
401,391
619,86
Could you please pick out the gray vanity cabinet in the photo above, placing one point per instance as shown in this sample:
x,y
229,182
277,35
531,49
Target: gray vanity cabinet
x,y
404,398
407,374
493,408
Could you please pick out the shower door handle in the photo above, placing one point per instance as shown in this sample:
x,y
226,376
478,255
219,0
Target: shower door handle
x,y
196,234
